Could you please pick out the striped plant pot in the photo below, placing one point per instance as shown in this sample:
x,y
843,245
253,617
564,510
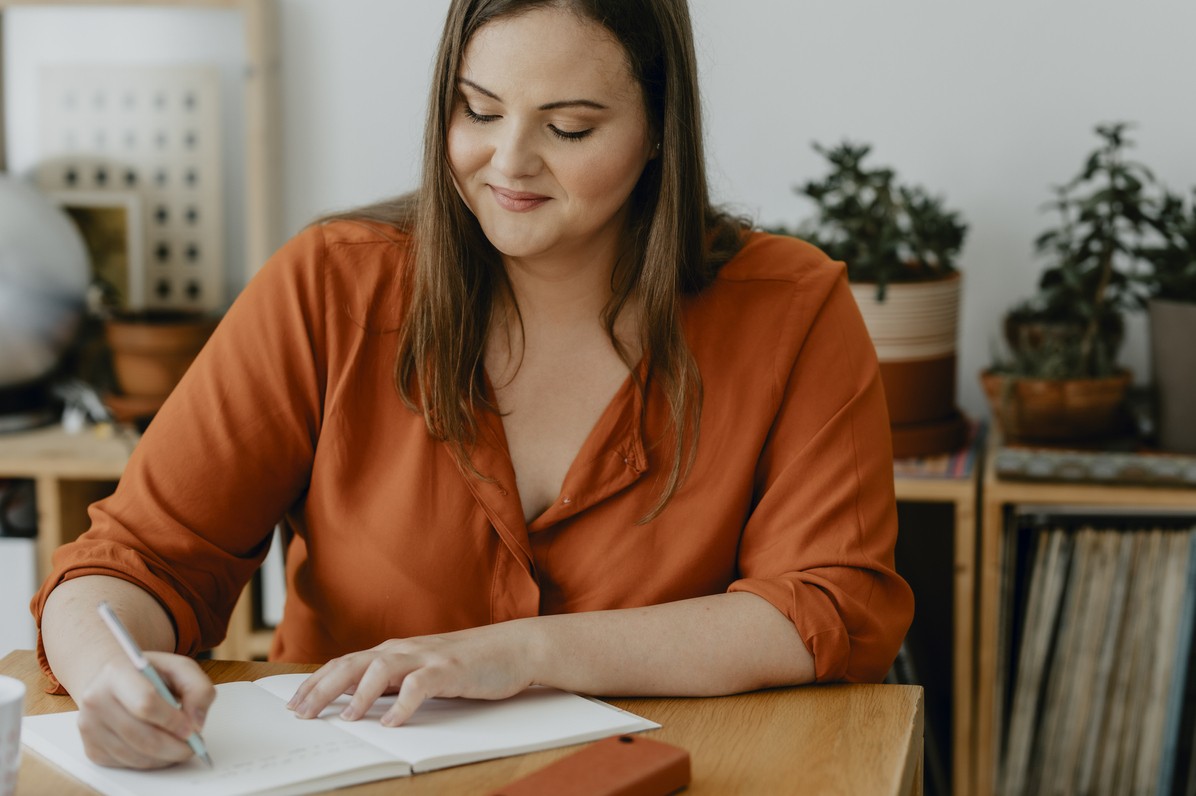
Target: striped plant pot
x,y
915,330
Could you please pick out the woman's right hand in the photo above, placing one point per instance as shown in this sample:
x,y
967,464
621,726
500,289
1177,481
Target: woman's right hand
x,y
126,723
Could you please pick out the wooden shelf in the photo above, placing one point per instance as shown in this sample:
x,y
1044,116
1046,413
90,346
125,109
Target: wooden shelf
x,y
69,471
961,494
72,471
997,495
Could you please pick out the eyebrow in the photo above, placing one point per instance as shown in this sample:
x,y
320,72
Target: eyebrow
x,y
550,106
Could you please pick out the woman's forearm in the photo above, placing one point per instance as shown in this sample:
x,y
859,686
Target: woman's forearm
x,y
721,644
77,642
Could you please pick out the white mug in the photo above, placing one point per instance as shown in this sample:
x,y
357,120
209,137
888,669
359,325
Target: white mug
x,y
12,705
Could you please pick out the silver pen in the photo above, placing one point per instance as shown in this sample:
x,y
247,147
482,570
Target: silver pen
x,y
146,668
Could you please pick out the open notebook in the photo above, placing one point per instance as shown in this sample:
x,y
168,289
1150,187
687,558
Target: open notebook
x,y
260,747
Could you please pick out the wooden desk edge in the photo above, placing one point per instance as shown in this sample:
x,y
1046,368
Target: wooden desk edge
x,y
906,711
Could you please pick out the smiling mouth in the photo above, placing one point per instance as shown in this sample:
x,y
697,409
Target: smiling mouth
x,y
517,201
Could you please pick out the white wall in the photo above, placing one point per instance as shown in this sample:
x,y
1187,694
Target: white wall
x,y
37,37
987,103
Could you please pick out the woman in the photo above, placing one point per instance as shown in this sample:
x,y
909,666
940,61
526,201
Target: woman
x,y
626,446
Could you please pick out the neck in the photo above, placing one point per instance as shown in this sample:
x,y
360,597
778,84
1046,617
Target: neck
x,y
559,293
560,311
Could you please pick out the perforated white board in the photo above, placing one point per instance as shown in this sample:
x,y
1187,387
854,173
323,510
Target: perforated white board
x,y
154,130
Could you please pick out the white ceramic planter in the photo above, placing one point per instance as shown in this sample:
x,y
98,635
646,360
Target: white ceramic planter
x,y
917,320
915,330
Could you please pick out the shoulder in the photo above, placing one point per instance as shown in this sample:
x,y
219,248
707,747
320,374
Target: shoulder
x,y
780,258
770,276
355,233
339,244
765,303
357,266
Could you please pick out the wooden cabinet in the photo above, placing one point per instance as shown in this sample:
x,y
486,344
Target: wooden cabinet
x,y
959,493
998,495
71,471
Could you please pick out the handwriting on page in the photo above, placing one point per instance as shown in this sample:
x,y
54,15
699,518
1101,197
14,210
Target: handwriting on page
x,y
303,756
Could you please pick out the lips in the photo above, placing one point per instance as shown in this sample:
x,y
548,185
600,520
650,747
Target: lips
x,y
517,201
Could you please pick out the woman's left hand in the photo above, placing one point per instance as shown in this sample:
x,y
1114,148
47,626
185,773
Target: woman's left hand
x,y
489,662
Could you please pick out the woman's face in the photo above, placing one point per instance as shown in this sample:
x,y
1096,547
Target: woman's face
x,y
548,136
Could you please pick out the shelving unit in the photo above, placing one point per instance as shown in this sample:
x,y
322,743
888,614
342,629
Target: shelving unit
x,y
998,494
72,471
960,493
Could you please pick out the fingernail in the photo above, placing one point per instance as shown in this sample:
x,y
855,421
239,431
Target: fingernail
x,y
349,714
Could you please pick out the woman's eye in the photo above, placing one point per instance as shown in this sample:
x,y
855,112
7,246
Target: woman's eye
x,y
569,135
477,118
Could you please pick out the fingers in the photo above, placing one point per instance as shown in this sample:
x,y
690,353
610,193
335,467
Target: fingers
x,y
189,683
412,694
366,675
125,722
482,663
380,677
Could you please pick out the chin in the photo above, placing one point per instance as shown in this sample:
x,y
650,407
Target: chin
x,y
513,245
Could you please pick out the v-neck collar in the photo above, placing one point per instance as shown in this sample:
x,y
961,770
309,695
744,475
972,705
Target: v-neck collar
x,y
611,458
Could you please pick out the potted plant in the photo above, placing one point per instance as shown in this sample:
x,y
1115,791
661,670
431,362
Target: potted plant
x,y
145,351
151,350
1170,285
900,245
1061,380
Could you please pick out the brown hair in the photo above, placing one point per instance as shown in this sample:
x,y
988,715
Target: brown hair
x,y
676,241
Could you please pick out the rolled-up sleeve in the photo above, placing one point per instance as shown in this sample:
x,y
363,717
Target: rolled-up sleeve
x,y
819,542
221,462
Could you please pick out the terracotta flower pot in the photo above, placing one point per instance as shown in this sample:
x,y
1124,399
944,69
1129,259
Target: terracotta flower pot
x,y
152,351
914,331
1056,409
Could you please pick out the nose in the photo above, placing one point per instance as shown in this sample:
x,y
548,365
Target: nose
x,y
516,153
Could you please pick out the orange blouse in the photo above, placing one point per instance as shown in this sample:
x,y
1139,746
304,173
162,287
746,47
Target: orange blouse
x,y
291,413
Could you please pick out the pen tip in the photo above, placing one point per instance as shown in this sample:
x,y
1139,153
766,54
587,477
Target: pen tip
x,y
207,759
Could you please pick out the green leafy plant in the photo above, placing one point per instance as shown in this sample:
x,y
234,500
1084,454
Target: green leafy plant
x,y
1073,326
884,231
1172,256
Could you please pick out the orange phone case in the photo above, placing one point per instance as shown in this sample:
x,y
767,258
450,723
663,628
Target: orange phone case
x,y
625,765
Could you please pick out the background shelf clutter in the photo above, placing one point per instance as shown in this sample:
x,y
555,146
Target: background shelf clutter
x,y
1099,680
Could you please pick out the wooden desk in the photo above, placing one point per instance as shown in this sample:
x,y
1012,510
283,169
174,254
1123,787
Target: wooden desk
x,y
815,739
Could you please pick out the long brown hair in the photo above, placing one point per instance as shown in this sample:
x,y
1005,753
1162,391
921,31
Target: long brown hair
x,y
676,241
